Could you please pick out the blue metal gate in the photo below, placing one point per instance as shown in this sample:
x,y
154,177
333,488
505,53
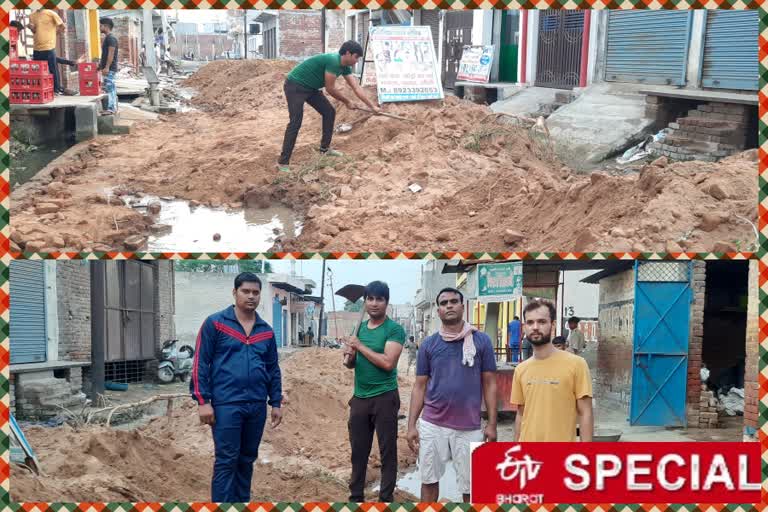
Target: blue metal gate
x,y
730,50
648,47
29,341
277,321
660,343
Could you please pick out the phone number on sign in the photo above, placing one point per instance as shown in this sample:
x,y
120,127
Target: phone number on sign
x,y
410,90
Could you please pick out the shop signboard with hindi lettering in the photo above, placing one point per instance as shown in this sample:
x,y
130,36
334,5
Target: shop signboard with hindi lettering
x,y
369,67
405,63
499,282
475,64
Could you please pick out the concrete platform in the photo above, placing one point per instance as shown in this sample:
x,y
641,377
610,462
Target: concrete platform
x,y
65,117
702,95
131,87
602,121
60,102
503,90
526,101
487,85
114,125
47,365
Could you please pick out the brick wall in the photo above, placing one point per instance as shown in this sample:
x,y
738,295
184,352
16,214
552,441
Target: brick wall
x,y
71,47
693,409
300,34
127,30
334,30
204,46
165,300
611,362
73,285
708,132
40,395
751,369
165,308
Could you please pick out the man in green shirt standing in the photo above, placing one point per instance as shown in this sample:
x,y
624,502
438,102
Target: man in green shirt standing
x,y
374,353
303,84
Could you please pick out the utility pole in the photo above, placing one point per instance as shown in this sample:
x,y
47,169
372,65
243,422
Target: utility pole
x,y
333,302
245,34
322,306
148,34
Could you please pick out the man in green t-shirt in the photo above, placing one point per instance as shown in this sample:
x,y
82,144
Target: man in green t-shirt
x,y
374,353
303,84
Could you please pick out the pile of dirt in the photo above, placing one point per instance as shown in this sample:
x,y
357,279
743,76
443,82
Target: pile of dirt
x,y
483,185
221,86
171,458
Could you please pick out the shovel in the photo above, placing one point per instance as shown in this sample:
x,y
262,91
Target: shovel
x,y
385,114
353,293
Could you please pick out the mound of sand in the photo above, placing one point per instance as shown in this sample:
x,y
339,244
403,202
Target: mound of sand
x,y
171,458
485,185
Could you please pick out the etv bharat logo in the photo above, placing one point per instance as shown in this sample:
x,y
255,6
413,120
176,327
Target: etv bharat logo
x,y
524,470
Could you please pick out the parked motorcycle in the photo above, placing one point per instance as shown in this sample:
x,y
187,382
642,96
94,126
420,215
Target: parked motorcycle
x,y
175,362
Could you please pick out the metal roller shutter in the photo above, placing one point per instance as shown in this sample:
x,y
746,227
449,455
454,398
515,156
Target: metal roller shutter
x,y
28,329
648,47
730,50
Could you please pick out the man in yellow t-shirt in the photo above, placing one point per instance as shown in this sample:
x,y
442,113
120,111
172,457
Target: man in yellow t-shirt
x,y
553,388
45,25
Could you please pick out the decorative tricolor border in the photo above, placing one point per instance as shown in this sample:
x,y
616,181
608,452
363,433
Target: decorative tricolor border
x,y
6,256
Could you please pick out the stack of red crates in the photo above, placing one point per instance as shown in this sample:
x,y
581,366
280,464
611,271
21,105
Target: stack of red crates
x,y
31,82
90,79
14,40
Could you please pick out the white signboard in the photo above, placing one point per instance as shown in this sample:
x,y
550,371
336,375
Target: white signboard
x,y
406,64
475,64
369,68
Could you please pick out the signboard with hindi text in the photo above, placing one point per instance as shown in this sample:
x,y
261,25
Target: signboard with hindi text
x,y
499,282
369,67
475,64
405,63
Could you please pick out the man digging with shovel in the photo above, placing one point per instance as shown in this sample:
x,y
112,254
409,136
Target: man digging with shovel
x,y
373,351
303,85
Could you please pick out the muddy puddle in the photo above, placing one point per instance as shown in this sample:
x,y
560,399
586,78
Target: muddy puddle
x,y
26,164
182,227
411,482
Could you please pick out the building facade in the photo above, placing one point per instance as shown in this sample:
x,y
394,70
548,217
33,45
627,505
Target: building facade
x,y
660,324
75,325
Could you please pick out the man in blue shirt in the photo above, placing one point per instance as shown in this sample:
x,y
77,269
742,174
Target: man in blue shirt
x,y
235,374
514,337
455,372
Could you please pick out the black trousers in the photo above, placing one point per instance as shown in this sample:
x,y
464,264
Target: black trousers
x,y
366,416
296,95
50,57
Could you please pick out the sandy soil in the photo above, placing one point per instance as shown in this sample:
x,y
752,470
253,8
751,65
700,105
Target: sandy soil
x,y
486,186
171,458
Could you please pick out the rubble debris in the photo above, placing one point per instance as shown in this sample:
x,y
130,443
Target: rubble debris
x,y
463,157
305,459
733,403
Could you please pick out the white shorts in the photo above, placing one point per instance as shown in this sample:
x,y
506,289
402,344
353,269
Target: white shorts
x,y
438,445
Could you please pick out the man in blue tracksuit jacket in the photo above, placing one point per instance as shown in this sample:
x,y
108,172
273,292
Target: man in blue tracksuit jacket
x,y
235,375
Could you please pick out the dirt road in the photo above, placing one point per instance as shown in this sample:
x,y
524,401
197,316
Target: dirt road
x,y
304,459
485,185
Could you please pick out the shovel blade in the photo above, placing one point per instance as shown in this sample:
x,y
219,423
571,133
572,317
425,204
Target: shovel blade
x,y
351,292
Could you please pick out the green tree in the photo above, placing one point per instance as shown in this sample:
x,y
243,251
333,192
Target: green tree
x,y
255,266
353,306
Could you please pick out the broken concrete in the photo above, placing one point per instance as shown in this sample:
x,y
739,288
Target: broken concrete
x,y
526,102
602,121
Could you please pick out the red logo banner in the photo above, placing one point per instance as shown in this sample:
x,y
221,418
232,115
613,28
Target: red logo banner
x,y
525,473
